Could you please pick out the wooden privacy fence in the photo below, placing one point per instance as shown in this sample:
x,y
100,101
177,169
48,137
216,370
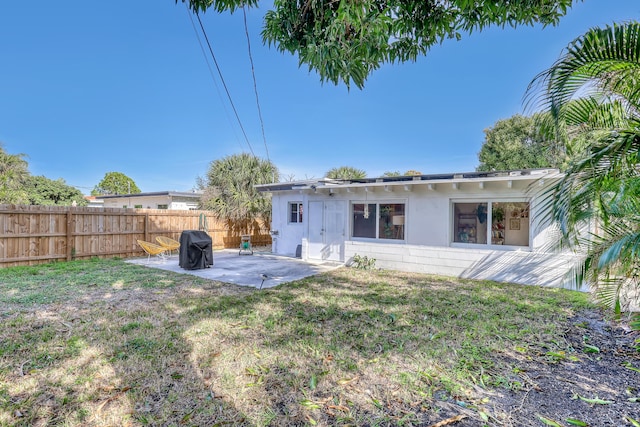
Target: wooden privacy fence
x,y
39,234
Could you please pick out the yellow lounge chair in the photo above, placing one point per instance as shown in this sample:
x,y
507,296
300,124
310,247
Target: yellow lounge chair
x,y
168,243
152,249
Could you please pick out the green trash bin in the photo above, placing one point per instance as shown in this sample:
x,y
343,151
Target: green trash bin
x,y
245,245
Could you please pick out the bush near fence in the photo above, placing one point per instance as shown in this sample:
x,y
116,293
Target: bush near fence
x,y
39,234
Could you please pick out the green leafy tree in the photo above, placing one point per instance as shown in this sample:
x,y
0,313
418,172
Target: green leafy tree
x,y
230,194
412,172
516,143
44,191
347,40
14,171
595,85
345,172
528,142
391,173
115,183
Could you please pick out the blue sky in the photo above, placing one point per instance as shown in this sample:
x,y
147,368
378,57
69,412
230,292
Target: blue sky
x,y
88,88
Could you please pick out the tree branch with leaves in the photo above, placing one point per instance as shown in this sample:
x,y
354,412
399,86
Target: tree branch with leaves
x,y
345,41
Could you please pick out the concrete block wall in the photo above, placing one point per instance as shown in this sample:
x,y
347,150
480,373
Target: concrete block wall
x,y
524,267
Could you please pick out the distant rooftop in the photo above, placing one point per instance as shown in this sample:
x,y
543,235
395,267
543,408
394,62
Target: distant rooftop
x,y
190,194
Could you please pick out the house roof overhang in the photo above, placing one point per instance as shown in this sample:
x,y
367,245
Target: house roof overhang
x,y
407,182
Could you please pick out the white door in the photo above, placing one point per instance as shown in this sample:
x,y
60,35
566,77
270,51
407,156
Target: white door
x,y
327,230
316,229
334,226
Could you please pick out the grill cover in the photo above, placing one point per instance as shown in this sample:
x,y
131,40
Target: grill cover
x,y
195,250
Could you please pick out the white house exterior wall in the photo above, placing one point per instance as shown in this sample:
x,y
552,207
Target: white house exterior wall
x,y
147,202
529,268
183,204
150,202
428,246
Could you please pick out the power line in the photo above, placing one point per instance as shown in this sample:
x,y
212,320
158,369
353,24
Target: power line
x,y
255,85
215,83
224,84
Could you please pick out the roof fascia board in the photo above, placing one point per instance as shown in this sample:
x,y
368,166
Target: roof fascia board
x,y
317,186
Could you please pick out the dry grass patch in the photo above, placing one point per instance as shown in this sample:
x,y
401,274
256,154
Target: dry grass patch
x,y
107,343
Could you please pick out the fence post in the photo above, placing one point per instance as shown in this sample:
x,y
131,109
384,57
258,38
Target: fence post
x,y
146,226
69,235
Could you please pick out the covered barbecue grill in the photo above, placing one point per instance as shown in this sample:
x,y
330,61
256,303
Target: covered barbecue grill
x,y
195,250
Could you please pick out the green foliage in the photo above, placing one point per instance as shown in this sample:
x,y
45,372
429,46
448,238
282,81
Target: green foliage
x,y
115,183
345,172
519,142
230,193
345,41
363,262
595,86
44,191
13,174
18,186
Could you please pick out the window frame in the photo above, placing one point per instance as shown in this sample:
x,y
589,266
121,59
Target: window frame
x,y
299,212
377,225
490,201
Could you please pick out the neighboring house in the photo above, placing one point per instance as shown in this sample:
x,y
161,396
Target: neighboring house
x,y
484,225
94,202
174,200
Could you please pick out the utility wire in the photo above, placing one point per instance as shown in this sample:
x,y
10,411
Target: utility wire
x,y
255,85
215,61
215,83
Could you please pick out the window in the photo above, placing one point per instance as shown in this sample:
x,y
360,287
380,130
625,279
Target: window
x,y
364,220
163,206
470,223
295,212
495,223
378,220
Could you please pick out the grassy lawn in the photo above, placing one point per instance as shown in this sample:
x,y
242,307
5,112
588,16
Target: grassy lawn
x,y
108,343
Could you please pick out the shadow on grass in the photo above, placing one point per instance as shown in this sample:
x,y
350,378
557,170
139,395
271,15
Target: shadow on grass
x,y
125,345
377,346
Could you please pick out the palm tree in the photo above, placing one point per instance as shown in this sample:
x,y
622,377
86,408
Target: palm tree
x,y
13,175
231,195
345,172
596,85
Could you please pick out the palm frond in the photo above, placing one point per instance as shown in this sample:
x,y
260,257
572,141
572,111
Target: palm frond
x,y
599,62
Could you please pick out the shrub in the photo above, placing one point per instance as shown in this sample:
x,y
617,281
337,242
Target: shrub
x,y
363,262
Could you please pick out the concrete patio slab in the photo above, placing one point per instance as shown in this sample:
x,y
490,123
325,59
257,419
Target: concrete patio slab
x,y
245,270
